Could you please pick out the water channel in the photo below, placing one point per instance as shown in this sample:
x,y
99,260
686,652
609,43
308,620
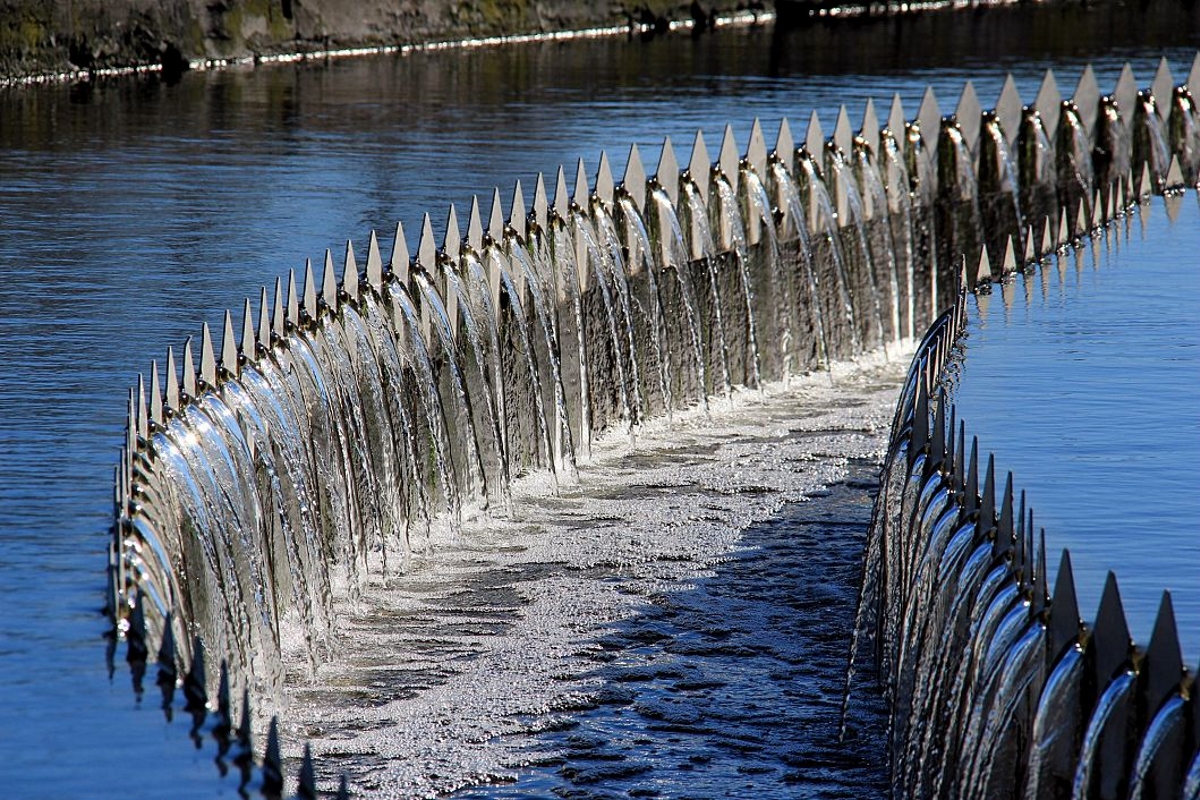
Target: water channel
x,y
132,209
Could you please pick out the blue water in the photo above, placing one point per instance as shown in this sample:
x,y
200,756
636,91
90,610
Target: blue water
x,y
131,210
1084,378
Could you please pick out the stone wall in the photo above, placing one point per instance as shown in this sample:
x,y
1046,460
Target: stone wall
x,y
49,36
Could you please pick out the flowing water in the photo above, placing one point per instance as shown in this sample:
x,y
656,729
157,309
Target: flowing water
x,y
133,209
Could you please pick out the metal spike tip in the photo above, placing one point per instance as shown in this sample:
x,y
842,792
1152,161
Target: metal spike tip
x,y
896,118
172,383
496,218
634,181
189,371
400,256
1164,656
1065,622
727,159
756,149
452,243
785,144
870,126
475,226
249,345
983,272
583,193
1110,634
517,213
699,166
310,289
350,276
969,113
426,248
562,203
293,298
667,173
605,185
1005,535
374,269
229,348
208,358
814,136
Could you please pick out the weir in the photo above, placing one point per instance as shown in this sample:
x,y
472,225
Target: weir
x,y
267,477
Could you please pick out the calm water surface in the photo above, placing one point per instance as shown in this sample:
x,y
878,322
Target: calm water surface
x,y
131,210
1084,378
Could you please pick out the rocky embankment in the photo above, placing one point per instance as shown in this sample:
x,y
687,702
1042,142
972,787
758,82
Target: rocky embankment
x,y
55,36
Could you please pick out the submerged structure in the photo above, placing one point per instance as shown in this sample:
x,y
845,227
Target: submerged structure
x,y
269,475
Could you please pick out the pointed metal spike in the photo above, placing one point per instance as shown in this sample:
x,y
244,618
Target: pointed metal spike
x,y
972,489
1010,258
951,464
1164,657
970,115
562,202
700,165
983,272
496,218
1008,109
1162,88
293,299
189,370
929,115
452,243
1111,642
426,247
814,137
249,345
727,159
960,460
541,204
1005,535
896,118
329,289
1193,81
374,268
310,289
229,348
667,174
475,226
785,145
756,150
1087,99
1064,228
634,181
1041,591
1097,211
870,126
1125,93
156,400
987,503
1174,174
605,185
517,213
208,358
1021,544
172,382
1081,218
919,437
143,413
306,784
1049,103
1065,622
350,275
843,134
937,437
272,766
1047,241
583,192
400,256
1030,254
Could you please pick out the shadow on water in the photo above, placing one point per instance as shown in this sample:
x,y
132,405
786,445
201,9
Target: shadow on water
x,y
734,685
